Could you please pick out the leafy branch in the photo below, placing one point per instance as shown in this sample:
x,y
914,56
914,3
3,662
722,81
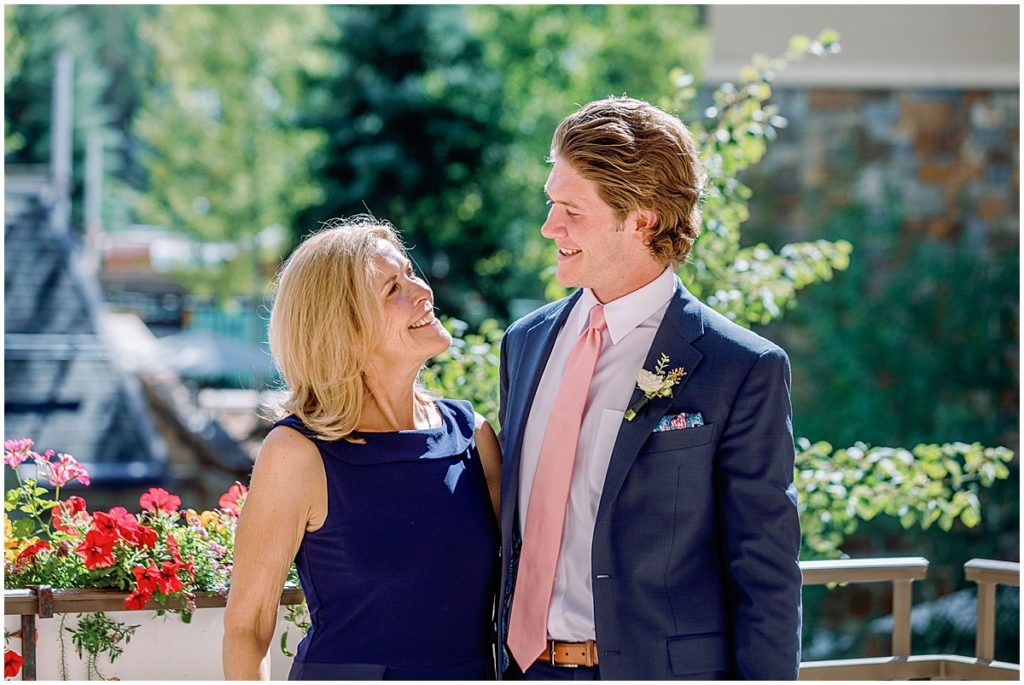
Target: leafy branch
x,y
749,284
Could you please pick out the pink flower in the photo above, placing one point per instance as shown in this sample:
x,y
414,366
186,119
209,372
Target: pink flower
x,y
158,499
232,500
62,471
17,452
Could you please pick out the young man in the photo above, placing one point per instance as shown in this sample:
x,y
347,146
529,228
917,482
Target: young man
x,y
649,519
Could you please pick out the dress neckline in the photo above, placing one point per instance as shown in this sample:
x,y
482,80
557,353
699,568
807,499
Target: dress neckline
x,y
437,404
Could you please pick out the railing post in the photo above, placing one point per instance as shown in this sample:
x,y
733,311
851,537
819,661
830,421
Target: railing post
x,y
28,647
902,593
989,574
985,638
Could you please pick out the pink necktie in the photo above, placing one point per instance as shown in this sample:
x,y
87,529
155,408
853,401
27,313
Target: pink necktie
x,y
549,495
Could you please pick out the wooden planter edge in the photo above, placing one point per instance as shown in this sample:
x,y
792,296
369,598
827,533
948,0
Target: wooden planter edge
x,y
29,601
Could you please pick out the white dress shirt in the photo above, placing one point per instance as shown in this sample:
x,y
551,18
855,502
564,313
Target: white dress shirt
x,y
632,321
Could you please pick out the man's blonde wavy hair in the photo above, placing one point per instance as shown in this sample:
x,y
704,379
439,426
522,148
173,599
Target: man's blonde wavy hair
x,y
324,321
638,157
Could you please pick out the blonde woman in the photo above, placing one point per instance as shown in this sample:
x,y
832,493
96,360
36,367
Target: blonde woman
x,y
384,497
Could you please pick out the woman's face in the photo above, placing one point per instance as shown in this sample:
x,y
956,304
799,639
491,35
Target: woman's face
x,y
410,333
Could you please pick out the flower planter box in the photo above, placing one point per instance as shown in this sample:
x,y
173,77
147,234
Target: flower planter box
x,y
162,648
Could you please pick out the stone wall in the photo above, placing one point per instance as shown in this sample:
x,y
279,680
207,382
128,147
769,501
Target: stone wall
x,y
949,157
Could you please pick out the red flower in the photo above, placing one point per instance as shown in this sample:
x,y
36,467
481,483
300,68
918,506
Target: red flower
x,y
147,578
121,516
105,525
141,535
169,581
29,552
137,600
12,663
128,527
172,544
232,500
67,510
97,549
158,499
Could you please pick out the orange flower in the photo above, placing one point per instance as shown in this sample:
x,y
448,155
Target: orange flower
x,y
208,518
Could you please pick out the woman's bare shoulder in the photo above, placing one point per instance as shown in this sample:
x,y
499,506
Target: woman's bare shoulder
x,y
286,447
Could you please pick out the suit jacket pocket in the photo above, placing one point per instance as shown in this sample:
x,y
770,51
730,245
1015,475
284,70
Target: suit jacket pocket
x,y
701,653
666,441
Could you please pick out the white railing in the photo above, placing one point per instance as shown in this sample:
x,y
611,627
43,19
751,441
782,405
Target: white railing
x,y
902,572
44,603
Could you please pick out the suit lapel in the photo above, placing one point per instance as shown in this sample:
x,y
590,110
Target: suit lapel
x,y
536,349
682,324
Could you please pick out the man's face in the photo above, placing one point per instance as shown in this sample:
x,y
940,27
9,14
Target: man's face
x,y
595,249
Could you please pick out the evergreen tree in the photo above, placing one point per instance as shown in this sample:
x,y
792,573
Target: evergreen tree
x,y
411,115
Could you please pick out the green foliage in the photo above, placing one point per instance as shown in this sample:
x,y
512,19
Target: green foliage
x,y
930,484
112,66
468,370
14,52
96,634
748,284
921,337
298,616
225,158
410,113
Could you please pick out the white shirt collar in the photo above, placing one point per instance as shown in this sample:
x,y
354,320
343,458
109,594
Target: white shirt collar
x,y
629,311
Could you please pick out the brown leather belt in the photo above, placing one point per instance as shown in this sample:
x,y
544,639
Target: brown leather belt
x,y
570,654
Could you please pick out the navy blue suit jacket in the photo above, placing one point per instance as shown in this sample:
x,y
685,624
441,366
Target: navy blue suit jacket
x,y
695,548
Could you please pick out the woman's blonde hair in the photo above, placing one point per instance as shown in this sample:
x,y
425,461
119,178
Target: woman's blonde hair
x,y
324,321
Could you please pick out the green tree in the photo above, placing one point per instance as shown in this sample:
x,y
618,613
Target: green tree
x,y
410,112
14,51
224,157
111,67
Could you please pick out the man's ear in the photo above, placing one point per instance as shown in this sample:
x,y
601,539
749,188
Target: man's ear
x,y
645,221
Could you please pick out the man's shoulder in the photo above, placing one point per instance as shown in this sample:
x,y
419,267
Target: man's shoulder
x,y
726,337
538,315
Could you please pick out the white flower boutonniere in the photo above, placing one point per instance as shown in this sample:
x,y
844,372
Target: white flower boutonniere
x,y
655,384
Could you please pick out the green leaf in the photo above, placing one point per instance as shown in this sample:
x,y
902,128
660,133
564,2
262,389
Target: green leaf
x,y
970,517
23,528
945,522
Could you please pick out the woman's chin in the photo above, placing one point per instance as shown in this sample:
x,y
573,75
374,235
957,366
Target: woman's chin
x,y
444,341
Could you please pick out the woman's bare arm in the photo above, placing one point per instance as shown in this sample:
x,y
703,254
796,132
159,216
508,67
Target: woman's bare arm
x,y
490,458
287,496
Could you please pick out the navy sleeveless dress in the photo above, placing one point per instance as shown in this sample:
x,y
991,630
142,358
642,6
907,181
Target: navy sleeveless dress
x,y
401,578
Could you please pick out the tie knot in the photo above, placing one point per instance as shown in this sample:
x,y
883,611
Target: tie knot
x,y
597,318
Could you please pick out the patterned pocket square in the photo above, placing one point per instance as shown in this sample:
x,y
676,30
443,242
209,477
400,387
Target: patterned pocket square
x,y
679,422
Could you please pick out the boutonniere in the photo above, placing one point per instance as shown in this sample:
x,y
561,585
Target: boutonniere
x,y
655,384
